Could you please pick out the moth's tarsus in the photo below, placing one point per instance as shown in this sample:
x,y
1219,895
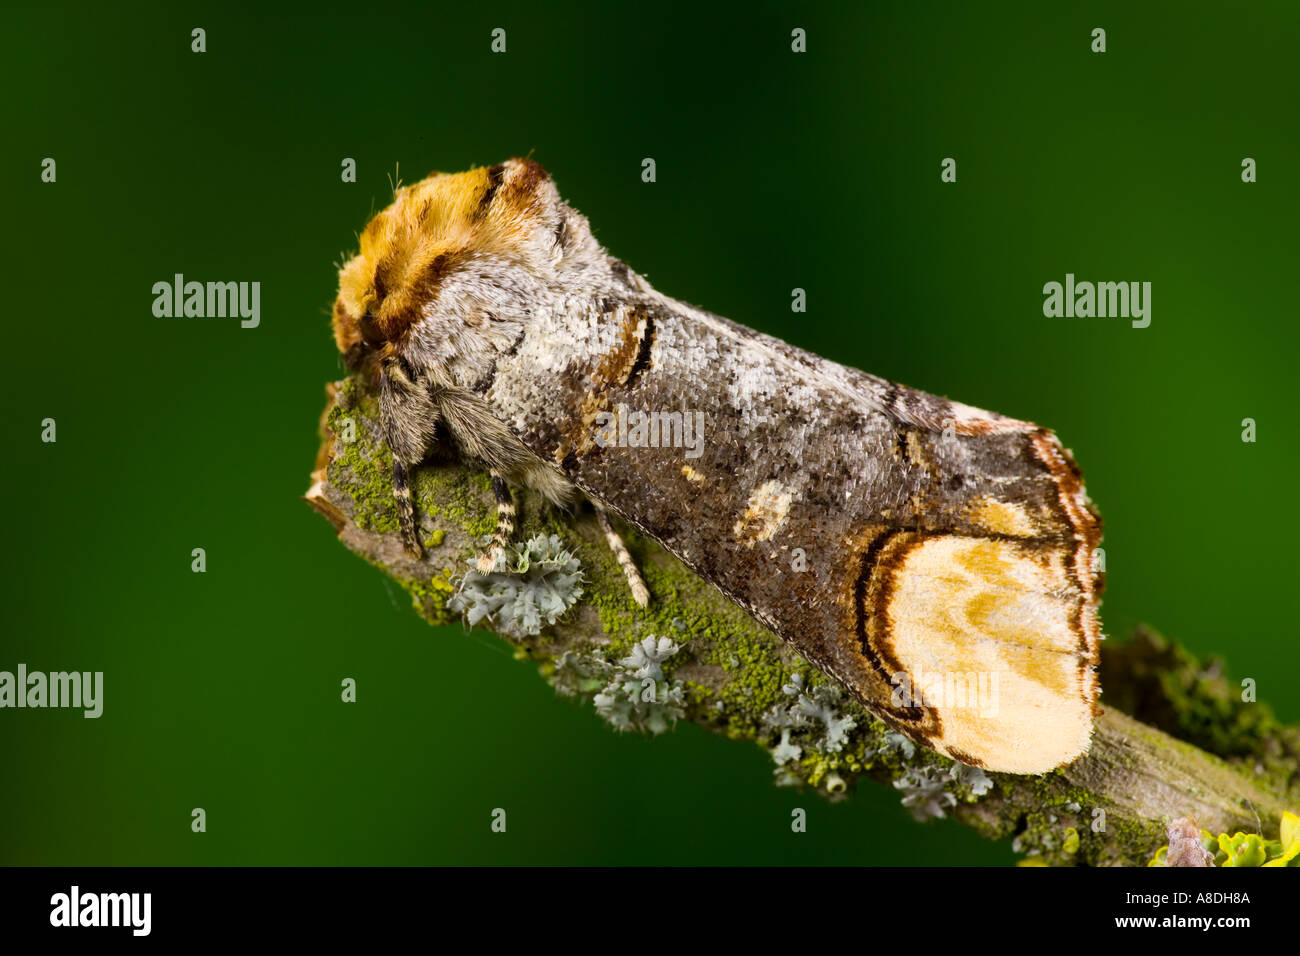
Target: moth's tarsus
x,y
640,593
505,530
406,510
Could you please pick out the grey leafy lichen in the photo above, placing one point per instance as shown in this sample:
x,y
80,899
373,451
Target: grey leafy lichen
x,y
787,750
647,657
930,791
900,743
645,705
975,780
532,585
813,716
925,794
631,694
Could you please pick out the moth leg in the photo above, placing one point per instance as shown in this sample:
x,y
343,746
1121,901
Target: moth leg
x,y
640,593
505,531
405,508
408,416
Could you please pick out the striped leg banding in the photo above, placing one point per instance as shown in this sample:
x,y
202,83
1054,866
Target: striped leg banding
x,y
640,593
405,509
505,532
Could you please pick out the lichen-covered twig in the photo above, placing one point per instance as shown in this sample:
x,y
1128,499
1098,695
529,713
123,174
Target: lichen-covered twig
x,y
561,599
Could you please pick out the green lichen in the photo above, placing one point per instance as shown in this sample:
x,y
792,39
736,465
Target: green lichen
x,y
1070,845
1063,825
756,675
1126,840
1064,816
362,467
431,597
454,496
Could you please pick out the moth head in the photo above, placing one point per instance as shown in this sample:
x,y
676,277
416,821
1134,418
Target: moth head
x,y
445,223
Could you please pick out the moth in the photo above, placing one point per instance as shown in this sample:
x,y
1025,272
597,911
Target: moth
x,y
903,543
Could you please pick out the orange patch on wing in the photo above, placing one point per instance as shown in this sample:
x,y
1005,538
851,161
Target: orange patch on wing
x,y
1003,517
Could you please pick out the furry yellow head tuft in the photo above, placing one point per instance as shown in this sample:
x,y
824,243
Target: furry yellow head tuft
x,y
427,231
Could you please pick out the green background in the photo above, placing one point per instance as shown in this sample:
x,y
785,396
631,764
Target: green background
x,y
775,170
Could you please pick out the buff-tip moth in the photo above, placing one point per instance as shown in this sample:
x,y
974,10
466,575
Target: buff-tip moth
x,y
939,539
